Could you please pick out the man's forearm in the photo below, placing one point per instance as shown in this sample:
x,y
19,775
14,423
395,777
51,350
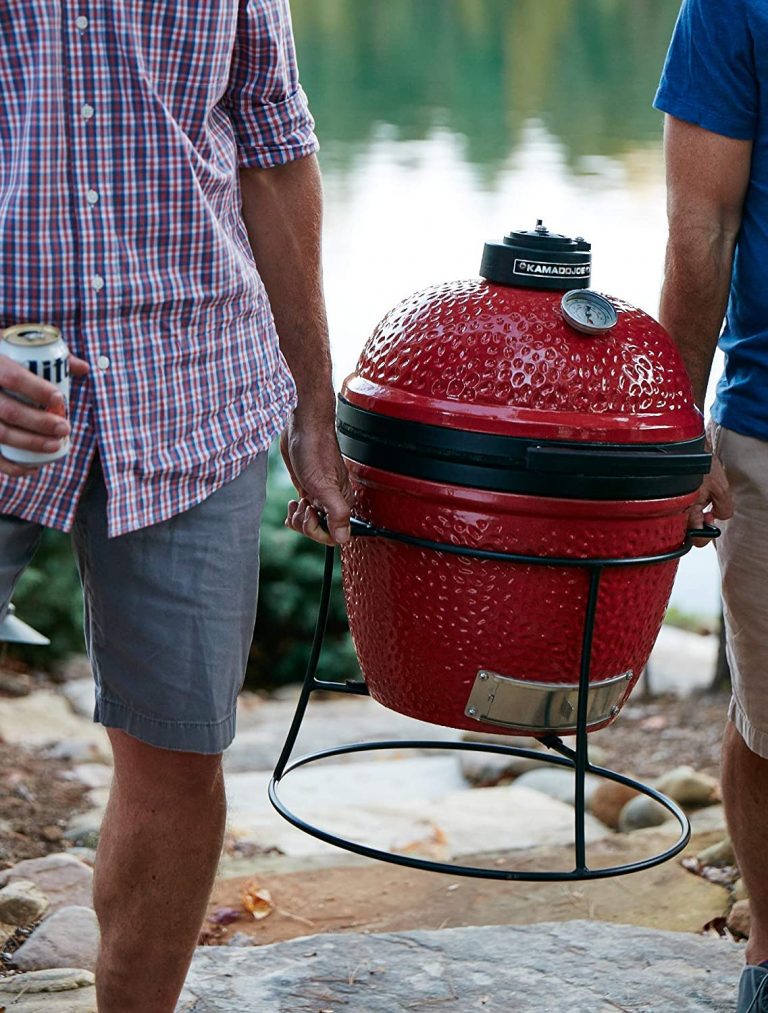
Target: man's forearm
x,y
707,181
282,211
695,294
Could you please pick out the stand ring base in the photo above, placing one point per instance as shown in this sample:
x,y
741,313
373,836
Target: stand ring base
x,y
478,872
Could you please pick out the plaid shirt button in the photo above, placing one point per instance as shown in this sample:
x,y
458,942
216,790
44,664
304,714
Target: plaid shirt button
x,y
81,23
87,111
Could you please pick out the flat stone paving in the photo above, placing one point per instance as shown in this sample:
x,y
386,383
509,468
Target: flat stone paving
x,y
570,967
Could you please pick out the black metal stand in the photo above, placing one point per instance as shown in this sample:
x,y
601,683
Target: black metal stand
x,y
572,759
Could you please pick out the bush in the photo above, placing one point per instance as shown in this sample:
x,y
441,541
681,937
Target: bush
x,y
49,598
291,578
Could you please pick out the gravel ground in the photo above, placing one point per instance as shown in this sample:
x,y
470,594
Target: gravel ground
x,y
654,736
648,739
35,804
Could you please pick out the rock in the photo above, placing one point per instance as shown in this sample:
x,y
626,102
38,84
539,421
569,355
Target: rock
x,y
77,751
6,931
607,801
402,805
44,717
484,770
240,939
739,890
98,798
68,938
687,786
516,741
681,662
557,782
331,721
739,919
93,775
597,755
711,817
83,829
81,1000
58,979
22,903
14,683
588,967
85,839
81,695
718,854
76,667
641,812
87,855
62,878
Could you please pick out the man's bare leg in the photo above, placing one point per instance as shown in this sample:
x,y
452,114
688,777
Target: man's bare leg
x,y
745,795
159,847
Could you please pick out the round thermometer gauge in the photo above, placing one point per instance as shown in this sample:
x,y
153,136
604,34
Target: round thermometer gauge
x,y
588,311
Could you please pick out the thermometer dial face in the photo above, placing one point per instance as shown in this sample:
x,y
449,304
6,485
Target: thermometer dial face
x,y
588,312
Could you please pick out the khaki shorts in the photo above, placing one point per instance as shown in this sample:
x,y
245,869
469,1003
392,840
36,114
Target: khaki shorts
x,y
742,552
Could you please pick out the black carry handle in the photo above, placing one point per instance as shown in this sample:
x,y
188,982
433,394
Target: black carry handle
x,y
566,461
357,527
708,531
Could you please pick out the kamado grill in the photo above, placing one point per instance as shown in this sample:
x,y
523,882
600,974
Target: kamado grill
x,y
523,452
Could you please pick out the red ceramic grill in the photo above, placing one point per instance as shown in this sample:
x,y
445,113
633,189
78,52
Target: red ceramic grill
x,y
524,452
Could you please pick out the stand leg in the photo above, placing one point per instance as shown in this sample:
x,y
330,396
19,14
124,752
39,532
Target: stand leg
x,y
582,758
309,677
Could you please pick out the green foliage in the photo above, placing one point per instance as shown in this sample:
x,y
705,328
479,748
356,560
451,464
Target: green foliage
x,y
693,623
291,576
49,598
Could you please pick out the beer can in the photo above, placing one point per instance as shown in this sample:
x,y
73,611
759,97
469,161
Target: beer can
x,y
42,350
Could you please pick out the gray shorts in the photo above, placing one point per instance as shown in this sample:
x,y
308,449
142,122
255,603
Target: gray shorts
x,y
169,610
742,552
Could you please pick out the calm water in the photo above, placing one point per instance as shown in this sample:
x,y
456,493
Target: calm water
x,y
447,122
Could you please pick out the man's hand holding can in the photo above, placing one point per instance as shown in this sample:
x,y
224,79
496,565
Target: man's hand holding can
x,y
34,427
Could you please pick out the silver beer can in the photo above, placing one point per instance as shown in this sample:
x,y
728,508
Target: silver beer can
x,y
42,350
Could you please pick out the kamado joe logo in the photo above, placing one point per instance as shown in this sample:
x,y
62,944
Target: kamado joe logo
x,y
540,268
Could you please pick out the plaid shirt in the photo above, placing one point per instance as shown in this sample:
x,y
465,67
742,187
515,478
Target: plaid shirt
x,y
122,128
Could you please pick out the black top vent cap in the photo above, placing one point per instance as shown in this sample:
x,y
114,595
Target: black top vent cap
x,y
538,258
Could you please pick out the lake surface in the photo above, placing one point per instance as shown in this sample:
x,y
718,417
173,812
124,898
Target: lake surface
x,y
445,123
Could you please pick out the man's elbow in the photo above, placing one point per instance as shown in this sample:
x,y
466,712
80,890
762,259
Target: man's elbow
x,y
715,229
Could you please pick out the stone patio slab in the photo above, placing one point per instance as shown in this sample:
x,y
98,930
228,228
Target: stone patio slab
x,y
578,967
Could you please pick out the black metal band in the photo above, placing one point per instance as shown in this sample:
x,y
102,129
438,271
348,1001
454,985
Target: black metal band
x,y
562,470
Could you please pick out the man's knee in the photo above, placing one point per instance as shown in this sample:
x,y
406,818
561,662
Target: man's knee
x,y
142,767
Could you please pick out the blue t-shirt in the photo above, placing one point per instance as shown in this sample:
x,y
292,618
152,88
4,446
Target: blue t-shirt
x,y
715,76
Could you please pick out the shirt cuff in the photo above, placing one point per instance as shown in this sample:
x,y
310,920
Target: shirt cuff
x,y
739,128
273,133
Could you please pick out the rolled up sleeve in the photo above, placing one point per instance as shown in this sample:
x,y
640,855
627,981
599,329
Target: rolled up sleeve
x,y
265,102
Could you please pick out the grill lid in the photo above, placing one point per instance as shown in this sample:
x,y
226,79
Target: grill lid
x,y
521,388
